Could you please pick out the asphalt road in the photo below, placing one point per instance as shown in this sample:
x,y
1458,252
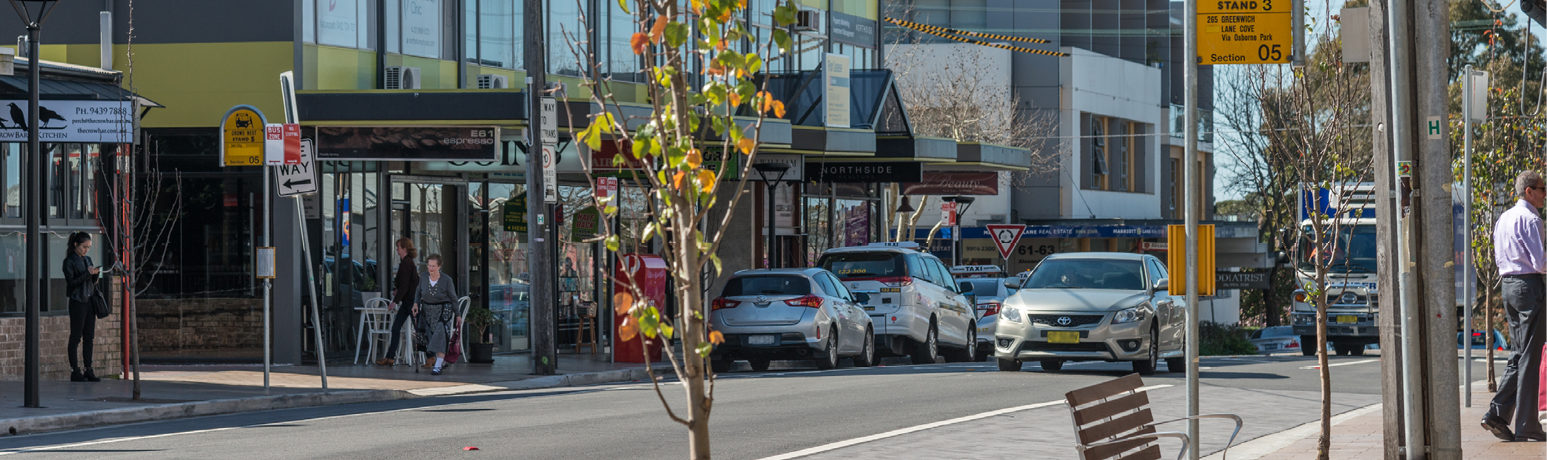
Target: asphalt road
x,y
843,413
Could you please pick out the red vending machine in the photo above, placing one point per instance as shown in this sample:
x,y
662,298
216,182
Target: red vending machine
x,y
650,274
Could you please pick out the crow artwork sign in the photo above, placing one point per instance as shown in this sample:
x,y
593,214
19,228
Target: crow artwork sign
x,y
408,143
96,122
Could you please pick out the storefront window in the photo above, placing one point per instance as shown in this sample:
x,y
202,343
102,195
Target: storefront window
x,y
507,276
496,33
564,28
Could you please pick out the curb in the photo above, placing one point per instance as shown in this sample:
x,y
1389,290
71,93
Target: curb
x,y
79,420
552,381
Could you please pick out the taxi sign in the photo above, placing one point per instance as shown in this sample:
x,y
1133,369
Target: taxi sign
x,y
976,270
1245,32
900,244
242,137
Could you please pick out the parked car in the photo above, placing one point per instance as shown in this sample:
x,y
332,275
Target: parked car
x,y
1479,341
1276,339
916,306
510,305
1096,306
782,314
988,295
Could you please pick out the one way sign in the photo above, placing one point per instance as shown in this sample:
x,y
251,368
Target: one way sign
x,y
1005,236
298,179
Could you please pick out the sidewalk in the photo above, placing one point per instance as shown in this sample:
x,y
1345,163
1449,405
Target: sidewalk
x,y
187,391
1357,435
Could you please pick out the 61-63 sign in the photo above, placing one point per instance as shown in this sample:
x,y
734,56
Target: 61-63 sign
x,y
1245,32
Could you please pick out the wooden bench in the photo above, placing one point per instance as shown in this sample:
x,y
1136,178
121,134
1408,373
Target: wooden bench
x,y
1112,421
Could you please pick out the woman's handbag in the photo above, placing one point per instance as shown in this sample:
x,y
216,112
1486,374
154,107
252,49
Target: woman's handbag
x,y
99,304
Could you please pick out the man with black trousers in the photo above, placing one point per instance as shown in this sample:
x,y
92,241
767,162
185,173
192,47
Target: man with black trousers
x,y
1517,249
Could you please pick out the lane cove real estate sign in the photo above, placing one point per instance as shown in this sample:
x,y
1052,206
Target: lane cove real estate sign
x,y
107,122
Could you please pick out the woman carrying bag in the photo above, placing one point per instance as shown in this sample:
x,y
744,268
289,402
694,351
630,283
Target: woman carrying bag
x,y
436,299
80,286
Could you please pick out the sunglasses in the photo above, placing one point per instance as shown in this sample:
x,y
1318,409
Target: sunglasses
x,y
1536,188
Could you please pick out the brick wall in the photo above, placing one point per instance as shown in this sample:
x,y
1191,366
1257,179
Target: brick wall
x,y
200,324
55,332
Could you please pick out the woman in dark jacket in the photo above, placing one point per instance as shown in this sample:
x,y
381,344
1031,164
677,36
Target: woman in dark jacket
x,y
403,287
436,299
80,285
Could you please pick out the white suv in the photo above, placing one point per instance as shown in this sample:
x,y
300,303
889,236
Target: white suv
x,y
916,307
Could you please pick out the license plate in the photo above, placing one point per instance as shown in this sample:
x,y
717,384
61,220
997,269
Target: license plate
x,y
1347,319
891,289
1271,346
1063,337
870,308
761,339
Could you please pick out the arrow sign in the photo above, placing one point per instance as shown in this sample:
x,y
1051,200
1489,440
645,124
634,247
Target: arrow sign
x,y
299,178
1005,237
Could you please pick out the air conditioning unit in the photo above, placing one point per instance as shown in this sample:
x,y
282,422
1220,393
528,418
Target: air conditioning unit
x,y
493,82
807,20
402,78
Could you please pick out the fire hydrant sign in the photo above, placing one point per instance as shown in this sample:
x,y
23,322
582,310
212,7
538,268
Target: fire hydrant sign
x,y
1244,32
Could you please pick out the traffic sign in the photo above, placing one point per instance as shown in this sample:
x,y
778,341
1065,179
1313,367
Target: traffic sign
x,y
550,121
1245,32
241,137
1005,237
1176,261
282,144
299,178
550,175
948,212
606,187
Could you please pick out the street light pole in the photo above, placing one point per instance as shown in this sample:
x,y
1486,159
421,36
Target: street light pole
x,y
764,170
34,289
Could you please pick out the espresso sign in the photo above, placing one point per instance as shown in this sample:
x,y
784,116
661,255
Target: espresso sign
x,y
408,143
864,172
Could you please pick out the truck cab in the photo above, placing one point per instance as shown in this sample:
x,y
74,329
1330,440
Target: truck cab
x,y
1351,290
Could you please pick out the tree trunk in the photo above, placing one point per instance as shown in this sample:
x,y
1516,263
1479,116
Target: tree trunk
x,y
692,318
1323,442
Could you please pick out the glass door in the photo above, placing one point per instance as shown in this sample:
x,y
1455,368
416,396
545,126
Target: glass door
x,y
506,273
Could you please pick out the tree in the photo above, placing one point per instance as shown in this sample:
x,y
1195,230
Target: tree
x,y
700,73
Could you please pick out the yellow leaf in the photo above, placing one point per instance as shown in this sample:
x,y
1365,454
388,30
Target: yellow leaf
x,y
695,158
778,109
706,180
628,330
735,98
715,337
658,28
622,302
698,6
676,180
745,145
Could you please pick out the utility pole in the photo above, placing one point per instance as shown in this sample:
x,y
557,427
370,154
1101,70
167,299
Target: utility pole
x,y
1190,182
1385,233
540,265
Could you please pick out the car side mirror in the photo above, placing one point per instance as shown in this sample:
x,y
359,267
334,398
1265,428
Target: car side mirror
x,y
860,297
965,288
1012,283
1162,284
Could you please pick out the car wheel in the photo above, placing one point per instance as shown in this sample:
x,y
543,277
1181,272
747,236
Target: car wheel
x,y
1147,365
983,354
1052,364
867,355
759,365
1009,365
1341,349
925,353
1357,350
829,357
1176,364
1308,345
720,366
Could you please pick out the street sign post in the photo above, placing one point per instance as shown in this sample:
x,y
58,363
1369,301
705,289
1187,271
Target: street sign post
x,y
241,137
550,121
298,179
1005,237
1245,32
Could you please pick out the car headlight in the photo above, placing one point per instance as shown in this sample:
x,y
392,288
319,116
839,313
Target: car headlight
x,y
1010,314
1127,316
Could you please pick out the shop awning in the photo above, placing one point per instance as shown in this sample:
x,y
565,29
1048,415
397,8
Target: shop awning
x,y
393,107
991,157
61,81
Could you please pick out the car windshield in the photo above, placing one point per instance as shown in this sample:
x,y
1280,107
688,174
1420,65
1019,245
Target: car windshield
x,y
1087,274
766,285
985,287
864,264
1354,251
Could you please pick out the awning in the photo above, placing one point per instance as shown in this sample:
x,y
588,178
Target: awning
x,y
991,157
388,107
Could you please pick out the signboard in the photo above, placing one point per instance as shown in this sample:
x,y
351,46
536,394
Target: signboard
x,y
865,172
421,28
1176,261
338,23
1245,32
606,187
550,175
851,29
1241,280
241,137
299,178
797,164
408,143
282,144
107,122
550,121
513,214
1005,237
835,80
948,213
954,183
1152,246
586,225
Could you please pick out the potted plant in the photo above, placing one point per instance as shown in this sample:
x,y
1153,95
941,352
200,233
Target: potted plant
x,y
481,319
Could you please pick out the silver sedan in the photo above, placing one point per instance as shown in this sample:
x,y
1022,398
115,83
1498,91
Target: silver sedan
x,y
790,314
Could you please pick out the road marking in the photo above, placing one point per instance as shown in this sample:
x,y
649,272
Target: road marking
x,y
1350,363
917,428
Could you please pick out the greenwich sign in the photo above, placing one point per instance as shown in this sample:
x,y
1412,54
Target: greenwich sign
x,y
104,122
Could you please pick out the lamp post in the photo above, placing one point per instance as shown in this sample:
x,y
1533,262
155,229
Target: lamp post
x,y
962,203
902,209
34,213
772,174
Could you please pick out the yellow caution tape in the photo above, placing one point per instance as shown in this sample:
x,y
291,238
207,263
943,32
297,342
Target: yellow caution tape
x,y
932,31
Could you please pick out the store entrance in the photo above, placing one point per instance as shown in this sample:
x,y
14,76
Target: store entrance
x,y
429,214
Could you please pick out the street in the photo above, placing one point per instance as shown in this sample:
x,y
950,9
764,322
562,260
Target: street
x,y
879,412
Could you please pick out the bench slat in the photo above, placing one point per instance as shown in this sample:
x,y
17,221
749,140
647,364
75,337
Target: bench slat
x,y
1110,408
1118,426
1103,390
1112,450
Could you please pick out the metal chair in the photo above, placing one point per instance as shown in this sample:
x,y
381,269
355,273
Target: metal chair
x,y
1111,421
462,304
375,320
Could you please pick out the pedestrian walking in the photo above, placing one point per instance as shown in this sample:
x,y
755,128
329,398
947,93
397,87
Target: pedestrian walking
x,y
436,297
403,287
1517,240
80,285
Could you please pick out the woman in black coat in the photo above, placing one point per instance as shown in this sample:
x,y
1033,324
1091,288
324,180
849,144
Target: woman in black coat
x,y
403,287
80,285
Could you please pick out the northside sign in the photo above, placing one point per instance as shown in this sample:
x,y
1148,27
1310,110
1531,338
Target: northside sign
x,y
1245,32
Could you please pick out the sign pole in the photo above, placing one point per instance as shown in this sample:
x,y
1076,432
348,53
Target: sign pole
x,y
1190,182
268,215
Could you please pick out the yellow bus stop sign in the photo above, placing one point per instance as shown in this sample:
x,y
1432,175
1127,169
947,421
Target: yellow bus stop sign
x,y
1244,32
241,137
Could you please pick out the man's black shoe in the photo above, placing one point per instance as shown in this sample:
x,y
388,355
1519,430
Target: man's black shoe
x,y
75,376
1531,438
1498,429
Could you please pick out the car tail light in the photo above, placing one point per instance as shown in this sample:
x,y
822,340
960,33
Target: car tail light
x,y
723,303
896,281
1293,344
810,301
989,308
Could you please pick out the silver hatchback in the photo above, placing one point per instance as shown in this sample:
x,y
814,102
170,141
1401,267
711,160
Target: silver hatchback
x,y
790,314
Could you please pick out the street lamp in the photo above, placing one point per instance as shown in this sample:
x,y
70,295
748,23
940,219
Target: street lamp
x,y
772,173
34,213
962,203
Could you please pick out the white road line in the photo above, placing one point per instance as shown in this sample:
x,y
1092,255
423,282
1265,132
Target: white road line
x,y
1349,363
917,428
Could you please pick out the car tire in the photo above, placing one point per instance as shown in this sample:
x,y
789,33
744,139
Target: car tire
x,y
828,359
867,355
926,351
759,365
1341,349
1308,345
720,366
983,354
1176,364
966,353
1147,366
1052,364
1009,365
1356,350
